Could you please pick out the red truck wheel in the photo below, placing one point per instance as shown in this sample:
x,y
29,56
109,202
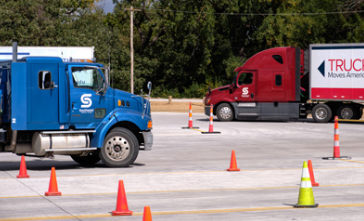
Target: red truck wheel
x,y
224,112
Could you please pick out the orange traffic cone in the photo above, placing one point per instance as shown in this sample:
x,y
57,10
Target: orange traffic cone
x,y
190,123
336,139
336,143
211,125
23,169
312,176
53,187
233,166
121,203
147,215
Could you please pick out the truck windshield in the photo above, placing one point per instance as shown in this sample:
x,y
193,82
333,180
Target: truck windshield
x,y
84,77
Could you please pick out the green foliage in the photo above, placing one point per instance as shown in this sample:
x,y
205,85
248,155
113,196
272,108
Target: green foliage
x,y
183,46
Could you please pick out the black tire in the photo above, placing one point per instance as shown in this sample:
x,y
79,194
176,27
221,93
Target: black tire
x,y
120,148
321,113
89,160
225,112
348,112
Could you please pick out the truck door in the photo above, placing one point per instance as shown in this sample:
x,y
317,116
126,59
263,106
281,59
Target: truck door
x,y
244,90
44,93
88,102
244,96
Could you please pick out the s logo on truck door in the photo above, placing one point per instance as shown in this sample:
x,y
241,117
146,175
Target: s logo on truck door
x,y
86,101
245,92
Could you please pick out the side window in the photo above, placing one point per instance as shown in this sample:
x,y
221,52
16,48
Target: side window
x,y
245,78
89,78
278,58
278,80
44,80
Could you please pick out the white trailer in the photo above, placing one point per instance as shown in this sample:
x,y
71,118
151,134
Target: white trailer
x,y
66,53
337,80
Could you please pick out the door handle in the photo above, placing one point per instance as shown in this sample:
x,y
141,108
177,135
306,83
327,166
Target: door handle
x,y
252,95
54,85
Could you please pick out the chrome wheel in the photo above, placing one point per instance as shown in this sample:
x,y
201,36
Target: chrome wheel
x,y
117,148
120,148
321,113
346,113
225,112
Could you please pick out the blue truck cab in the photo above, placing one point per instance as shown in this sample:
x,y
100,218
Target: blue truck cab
x,y
51,107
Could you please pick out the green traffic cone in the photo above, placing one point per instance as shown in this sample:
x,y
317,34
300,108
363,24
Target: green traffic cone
x,y
305,197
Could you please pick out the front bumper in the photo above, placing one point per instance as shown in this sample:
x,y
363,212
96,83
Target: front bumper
x,y
207,110
148,140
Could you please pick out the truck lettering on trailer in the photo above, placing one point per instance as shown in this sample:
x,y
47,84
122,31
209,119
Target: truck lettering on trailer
x,y
339,66
86,100
336,75
347,75
343,64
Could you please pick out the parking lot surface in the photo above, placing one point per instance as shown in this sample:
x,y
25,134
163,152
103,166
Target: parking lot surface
x,y
185,175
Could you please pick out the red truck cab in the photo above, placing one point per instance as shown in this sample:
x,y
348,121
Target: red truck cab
x,y
266,87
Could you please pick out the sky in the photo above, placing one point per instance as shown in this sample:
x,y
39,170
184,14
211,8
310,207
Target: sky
x,y
107,5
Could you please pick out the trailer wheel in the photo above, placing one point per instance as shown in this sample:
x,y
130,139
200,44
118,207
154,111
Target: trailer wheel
x,y
321,113
347,112
224,112
120,148
88,160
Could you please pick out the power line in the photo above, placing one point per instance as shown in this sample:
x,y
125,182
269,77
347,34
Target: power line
x,y
258,14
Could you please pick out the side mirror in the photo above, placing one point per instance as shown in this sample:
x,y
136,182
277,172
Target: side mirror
x,y
107,75
149,86
236,82
103,89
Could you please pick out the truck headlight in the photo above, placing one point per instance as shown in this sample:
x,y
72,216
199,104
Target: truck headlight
x,y
208,100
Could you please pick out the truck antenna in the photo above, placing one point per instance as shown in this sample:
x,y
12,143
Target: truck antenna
x,y
108,49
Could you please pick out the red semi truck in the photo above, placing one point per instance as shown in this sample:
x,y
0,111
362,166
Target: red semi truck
x,y
287,83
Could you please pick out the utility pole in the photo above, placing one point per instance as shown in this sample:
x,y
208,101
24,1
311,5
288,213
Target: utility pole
x,y
131,48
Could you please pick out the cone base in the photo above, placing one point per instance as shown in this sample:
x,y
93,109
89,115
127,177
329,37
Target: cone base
x,y
122,213
315,184
215,132
190,128
233,169
336,158
306,206
53,193
22,176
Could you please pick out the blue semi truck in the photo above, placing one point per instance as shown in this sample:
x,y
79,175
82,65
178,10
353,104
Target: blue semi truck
x,y
51,107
